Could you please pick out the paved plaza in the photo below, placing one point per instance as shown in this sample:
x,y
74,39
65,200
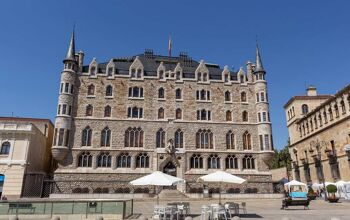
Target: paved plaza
x,y
263,209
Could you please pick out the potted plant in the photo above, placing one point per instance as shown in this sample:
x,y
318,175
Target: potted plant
x,y
331,190
311,194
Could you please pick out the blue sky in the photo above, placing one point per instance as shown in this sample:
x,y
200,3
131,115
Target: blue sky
x,y
302,43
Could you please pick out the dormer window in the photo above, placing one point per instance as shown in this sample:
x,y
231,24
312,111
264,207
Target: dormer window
x,y
110,71
93,70
139,72
205,77
199,77
161,74
226,79
178,75
241,79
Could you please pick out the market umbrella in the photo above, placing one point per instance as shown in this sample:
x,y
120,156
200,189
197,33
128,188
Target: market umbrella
x,y
157,178
221,177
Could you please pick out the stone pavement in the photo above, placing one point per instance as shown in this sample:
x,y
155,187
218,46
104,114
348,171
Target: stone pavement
x,y
263,209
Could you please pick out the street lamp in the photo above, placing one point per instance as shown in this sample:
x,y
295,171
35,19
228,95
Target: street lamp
x,y
319,145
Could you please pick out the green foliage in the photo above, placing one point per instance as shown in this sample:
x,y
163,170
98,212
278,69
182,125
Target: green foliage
x,y
331,188
281,159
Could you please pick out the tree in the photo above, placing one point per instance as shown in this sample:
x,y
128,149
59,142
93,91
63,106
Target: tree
x,y
281,159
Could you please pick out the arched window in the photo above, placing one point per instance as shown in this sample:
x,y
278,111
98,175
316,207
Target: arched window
x,y
179,139
178,75
86,136
231,162
336,110
139,73
108,111
230,140
248,162
241,79
199,76
160,138
109,90
93,70
142,160
228,115
213,162
196,161
178,114
304,109
161,74
89,110
110,71
161,93
133,73
91,89
247,142
106,137
330,113
227,96
104,160
204,139
85,159
205,77
342,104
245,116
161,113
5,148
178,94
134,137
243,97
124,160
226,78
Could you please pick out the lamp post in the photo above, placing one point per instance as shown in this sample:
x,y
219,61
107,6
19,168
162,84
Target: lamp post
x,y
319,145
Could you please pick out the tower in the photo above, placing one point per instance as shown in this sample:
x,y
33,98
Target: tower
x,y
262,106
63,122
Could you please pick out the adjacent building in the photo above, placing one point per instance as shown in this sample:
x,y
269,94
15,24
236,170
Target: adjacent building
x,y
25,156
319,131
121,119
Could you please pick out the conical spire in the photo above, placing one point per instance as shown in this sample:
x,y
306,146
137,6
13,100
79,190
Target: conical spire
x,y
71,49
259,66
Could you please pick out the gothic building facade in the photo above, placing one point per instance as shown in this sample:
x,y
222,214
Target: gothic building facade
x,y
116,119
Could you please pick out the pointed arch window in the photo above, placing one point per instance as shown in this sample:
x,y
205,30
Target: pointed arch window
x,y
160,138
161,74
179,139
85,159
205,77
178,113
199,76
230,140
231,162
89,110
196,161
227,96
204,139
342,104
247,142
106,137
86,136
304,109
228,115
91,89
226,77
213,162
142,160
93,70
248,162
139,73
108,111
104,160
110,71
5,148
133,137
133,73
161,94
109,90
245,116
243,97
336,110
178,75
178,94
124,160
161,113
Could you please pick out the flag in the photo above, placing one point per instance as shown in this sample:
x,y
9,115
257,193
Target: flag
x,y
169,46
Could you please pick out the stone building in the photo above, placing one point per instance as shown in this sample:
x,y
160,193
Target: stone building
x,y
319,134
118,120
25,156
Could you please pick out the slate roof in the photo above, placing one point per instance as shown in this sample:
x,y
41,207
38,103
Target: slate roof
x,y
151,63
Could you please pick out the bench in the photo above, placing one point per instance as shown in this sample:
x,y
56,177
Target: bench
x,y
20,206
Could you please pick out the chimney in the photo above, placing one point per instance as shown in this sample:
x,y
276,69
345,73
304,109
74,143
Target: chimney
x,y
311,91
